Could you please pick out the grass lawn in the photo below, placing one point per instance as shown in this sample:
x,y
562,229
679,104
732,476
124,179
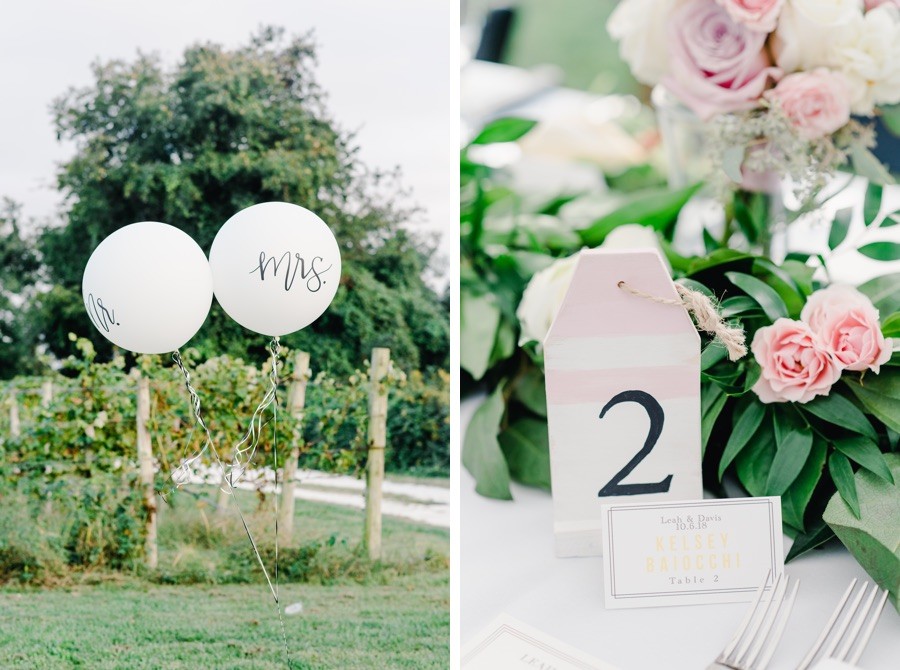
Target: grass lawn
x,y
393,616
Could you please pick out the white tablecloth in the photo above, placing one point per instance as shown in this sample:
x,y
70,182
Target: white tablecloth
x,y
508,565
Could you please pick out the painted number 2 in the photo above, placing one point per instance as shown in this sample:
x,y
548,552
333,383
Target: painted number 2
x,y
657,418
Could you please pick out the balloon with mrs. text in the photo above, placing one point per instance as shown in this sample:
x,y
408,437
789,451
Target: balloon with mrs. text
x,y
276,267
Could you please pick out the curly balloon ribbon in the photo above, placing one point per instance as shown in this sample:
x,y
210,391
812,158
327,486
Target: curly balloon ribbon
x,y
244,451
228,479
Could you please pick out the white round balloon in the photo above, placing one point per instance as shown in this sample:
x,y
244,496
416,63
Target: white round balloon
x,y
275,267
147,287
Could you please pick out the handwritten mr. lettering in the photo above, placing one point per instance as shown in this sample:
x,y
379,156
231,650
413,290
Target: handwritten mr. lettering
x,y
292,264
102,317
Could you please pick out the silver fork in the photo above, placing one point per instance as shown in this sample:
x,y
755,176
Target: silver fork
x,y
755,640
853,619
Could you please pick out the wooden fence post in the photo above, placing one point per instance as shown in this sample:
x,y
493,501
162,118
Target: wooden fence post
x,y
145,465
296,402
15,427
46,393
381,361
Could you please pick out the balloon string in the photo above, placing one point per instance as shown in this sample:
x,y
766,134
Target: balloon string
x,y
195,404
182,474
244,451
275,348
209,445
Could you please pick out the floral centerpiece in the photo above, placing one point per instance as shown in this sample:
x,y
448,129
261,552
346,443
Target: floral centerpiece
x,y
784,90
811,414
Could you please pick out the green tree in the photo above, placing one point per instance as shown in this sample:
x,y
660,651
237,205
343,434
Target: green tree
x,y
223,130
18,273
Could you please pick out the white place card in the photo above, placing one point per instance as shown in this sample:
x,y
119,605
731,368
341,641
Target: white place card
x,y
690,552
509,643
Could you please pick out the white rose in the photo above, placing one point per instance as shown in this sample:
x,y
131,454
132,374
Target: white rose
x,y
639,26
543,297
545,292
867,52
806,28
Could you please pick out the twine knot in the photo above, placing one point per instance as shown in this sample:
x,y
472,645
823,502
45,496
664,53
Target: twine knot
x,y
705,313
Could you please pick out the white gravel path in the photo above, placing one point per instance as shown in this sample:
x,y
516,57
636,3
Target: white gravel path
x,y
422,503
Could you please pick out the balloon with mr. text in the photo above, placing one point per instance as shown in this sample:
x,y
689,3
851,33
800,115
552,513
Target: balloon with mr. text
x,y
276,267
147,288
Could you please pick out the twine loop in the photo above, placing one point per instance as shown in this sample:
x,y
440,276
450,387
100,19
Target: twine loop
x,y
705,313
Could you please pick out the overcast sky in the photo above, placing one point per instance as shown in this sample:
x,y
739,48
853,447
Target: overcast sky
x,y
384,64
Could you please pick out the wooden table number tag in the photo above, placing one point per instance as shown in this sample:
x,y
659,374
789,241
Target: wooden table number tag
x,y
623,394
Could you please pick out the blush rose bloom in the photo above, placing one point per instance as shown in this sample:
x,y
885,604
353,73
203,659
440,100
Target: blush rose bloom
x,y
847,324
872,4
795,366
716,65
759,15
815,102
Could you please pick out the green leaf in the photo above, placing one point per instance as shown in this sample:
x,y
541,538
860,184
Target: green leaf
x,y
504,344
712,400
527,449
884,292
866,453
714,352
873,536
793,441
806,542
881,251
479,320
801,273
717,258
891,219
748,415
872,206
531,392
867,165
504,130
751,211
799,493
842,474
890,327
762,293
754,462
656,208
481,453
835,408
739,304
783,284
839,227
880,395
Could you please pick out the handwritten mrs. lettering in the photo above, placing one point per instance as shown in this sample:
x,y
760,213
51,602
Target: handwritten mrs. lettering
x,y
102,317
293,263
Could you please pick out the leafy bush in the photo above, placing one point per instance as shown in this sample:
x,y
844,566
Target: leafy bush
x,y
74,463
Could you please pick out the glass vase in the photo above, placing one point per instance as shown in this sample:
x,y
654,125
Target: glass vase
x,y
751,219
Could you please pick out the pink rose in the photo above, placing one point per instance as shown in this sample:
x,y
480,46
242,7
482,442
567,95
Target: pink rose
x,y
872,4
761,15
716,65
795,367
846,322
816,102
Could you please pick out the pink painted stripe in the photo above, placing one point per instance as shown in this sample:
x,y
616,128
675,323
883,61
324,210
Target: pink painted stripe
x,y
571,387
595,306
